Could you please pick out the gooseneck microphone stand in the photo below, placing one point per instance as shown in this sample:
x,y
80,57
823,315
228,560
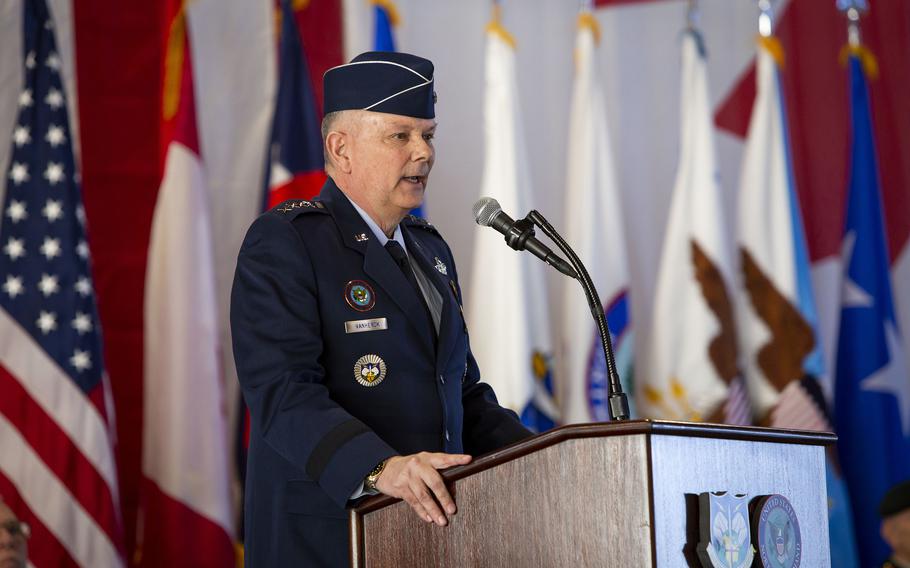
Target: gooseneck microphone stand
x,y
617,403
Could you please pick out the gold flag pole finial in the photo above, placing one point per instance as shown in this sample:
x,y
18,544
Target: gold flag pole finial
x,y
854,10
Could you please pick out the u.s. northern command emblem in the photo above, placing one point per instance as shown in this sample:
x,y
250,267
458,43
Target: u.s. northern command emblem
x,y
776,532
724,530
369,370
359,295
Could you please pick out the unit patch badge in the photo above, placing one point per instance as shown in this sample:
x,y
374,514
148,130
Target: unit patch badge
x,y
724,529
369,370
441,266
776,532
359,295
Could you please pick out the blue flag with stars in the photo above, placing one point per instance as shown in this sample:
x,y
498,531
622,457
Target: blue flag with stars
x,y
872,389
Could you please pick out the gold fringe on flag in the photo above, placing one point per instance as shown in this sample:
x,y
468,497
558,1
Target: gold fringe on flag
x,y
587,20
173,64
495,27
391,10
296,6
866,58
773,46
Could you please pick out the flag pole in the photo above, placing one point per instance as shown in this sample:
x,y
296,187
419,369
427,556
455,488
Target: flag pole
x,y
765,18
692,15
854,10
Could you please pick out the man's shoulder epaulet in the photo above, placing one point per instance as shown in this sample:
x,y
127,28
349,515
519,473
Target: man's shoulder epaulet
x,y
293,207
421,223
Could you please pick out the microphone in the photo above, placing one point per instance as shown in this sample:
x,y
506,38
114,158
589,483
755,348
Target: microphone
x,y
519,234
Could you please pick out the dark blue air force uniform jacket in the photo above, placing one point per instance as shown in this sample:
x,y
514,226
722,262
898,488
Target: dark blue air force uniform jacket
x,y
316,431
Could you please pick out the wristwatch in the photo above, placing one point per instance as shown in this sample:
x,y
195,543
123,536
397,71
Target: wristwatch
x,y
369,482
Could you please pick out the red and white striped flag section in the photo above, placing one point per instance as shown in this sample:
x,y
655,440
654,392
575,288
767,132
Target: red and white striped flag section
x,y
594,228
776,319
57,469
507,286
692,370
186,516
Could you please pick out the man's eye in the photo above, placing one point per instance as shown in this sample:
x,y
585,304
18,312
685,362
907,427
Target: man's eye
x,y
400,136
429,137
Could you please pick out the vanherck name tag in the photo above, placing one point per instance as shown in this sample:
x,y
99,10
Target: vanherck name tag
x,y
358,326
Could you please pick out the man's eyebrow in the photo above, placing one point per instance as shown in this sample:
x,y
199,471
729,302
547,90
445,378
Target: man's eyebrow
x,y
404,126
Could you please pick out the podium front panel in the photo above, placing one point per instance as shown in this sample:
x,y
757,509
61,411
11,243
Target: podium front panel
x,y
582,502
692,465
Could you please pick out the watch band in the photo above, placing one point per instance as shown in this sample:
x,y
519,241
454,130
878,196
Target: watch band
x,y
370,480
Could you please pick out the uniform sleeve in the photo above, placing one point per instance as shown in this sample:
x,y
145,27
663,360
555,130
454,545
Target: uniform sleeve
x,y
276,326
487,425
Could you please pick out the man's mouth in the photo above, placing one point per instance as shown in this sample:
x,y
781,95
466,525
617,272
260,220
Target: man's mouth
x,y
416,179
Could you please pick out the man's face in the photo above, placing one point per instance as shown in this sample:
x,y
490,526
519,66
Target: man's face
x,y
13,547
896,532
391,158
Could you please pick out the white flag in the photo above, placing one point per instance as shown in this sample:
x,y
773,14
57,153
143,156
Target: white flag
x,y
775,310
211,187
594,228
507,309
692,367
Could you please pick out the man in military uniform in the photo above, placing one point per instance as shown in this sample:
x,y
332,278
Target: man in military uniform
x,y
350,343
895,512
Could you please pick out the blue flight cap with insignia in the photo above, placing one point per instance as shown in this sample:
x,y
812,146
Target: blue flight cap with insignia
x,y
896,500
382,81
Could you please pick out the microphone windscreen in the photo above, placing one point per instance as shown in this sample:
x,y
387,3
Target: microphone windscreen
x,y
485,209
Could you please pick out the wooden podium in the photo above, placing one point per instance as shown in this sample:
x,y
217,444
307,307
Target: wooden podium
x,y
607,494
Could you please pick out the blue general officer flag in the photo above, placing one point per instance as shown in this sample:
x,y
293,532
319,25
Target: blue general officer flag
x,y
872,390
385,17
295,167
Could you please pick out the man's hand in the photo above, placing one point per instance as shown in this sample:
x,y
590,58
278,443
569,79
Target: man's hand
x,y
414,479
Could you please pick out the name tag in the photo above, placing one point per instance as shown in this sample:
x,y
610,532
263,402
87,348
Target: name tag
x,y
358,326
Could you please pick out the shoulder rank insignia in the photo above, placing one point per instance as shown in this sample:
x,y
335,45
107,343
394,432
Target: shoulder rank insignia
x,y
415,221
295,205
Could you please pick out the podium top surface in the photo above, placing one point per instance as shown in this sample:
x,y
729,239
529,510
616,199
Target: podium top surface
x,y
624,428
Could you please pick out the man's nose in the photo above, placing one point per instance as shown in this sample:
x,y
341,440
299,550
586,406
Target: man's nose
x,y
421,149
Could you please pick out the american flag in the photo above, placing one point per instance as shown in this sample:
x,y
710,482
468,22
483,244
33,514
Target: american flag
x,y
57,466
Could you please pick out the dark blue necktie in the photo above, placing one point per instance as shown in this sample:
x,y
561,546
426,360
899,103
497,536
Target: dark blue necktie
x,y
401,259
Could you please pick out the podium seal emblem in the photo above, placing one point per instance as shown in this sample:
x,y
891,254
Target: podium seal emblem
x,y
369,370
776,532
723,520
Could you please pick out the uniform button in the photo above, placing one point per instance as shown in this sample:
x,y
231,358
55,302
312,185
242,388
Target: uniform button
x,y
442,379
447,435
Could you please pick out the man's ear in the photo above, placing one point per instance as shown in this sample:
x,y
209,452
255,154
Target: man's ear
x,y
338,151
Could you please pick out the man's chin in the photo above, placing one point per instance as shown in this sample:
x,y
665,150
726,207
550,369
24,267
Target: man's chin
x,y
411,200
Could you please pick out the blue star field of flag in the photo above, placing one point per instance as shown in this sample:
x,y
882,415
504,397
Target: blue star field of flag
x,y
45,277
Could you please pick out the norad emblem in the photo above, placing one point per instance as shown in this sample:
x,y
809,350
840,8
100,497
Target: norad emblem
x,y
724,528
776,532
